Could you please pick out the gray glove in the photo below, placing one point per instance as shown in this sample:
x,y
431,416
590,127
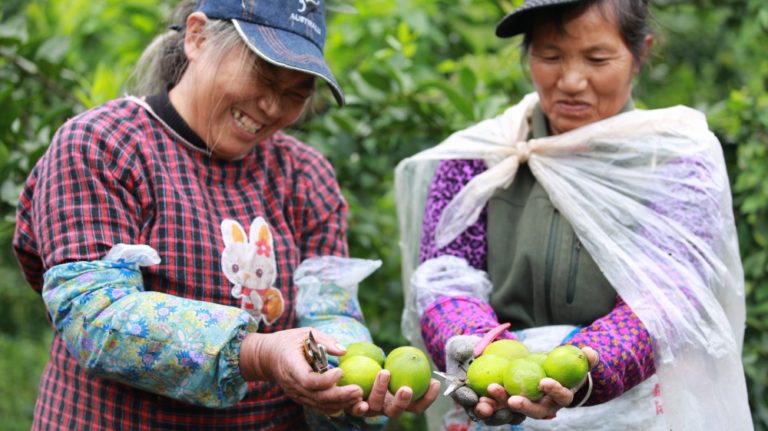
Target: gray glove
x,y
459,353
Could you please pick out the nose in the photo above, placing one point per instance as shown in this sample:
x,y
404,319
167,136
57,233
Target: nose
x,y
572,79
271,104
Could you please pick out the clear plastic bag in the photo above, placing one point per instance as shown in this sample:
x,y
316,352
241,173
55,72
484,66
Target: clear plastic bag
x,y
648,196
327,297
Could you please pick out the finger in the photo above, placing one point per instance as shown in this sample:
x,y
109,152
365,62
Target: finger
x,y
379,391
556,392
485,407
538,410
427,399
592,356
498,393
359,409
332,347
399,402
313,381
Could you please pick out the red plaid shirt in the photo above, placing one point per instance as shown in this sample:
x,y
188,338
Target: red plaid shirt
x,y
116,174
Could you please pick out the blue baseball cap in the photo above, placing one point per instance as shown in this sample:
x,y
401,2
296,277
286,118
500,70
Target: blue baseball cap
x,y
286,33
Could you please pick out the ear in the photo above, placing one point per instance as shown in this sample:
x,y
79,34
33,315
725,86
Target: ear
x,y
647,46
232,232
260,231
194,35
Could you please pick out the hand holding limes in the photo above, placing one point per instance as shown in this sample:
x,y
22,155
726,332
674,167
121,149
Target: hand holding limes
x,y
535,384
391,383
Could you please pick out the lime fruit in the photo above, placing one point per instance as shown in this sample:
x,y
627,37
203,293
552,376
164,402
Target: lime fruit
x,y
361,371
522,377
485,370
537,357
364,348
510,349
567,364
409,366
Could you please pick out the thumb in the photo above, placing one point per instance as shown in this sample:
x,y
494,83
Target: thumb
x,y
332,347
592,356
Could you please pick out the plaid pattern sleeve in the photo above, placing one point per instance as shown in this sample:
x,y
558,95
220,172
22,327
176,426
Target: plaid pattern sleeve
x,y
184,349
319,208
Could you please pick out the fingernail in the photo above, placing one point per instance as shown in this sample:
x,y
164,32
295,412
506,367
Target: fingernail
x,y
340,347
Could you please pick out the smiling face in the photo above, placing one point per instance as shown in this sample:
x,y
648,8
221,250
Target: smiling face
x,y
584,73
232,100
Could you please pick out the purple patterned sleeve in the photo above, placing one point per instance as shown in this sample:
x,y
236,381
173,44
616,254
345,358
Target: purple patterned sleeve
x,y
450,177
458,315
626,353
455,315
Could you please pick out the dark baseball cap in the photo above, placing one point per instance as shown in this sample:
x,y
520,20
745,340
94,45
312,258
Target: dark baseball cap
x,y
517,21
289,34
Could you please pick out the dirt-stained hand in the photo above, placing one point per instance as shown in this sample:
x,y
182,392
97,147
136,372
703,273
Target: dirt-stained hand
x,y
279,357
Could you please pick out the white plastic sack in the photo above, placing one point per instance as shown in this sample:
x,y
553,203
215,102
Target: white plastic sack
x,y
648,195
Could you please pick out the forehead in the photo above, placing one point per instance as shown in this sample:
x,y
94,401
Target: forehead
x,y
596,24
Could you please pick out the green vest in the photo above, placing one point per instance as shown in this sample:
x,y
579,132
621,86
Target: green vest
x,y
540,272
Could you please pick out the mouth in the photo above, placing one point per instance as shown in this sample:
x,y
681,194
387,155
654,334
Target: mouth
x,y
572,107
245,122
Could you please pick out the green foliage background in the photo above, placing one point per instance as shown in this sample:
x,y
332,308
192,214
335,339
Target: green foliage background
x,y
414,71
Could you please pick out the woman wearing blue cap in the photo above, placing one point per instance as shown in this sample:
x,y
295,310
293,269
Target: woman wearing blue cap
x,y
574,218
164,231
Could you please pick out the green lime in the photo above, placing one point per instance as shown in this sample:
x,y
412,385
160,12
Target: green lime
x,y
364,348
361,371
537,357
485,370
409,366
510,349
522,377
567,364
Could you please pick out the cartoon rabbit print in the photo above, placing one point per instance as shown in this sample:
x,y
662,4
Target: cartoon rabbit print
x,y
248,261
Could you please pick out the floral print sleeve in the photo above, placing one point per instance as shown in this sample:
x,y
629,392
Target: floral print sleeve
x,y
177,347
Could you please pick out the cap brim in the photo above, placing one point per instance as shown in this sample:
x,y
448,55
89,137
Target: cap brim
x,y
290,50
518,21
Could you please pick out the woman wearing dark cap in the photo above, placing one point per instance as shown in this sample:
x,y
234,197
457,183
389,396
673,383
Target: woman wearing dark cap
x,y
576,219
164,230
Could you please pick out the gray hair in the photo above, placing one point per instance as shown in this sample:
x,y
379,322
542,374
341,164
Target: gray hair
x,y
163,62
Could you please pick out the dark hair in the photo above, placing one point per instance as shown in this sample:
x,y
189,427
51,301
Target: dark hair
x,y
632,17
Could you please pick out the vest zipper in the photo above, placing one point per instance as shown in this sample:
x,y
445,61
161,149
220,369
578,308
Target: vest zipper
x,y
554,227
571,291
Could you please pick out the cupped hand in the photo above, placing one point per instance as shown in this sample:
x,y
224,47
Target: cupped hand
x,y
279,357
381,402
556,396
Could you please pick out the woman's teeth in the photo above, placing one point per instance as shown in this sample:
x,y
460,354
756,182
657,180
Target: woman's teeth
x,y
245,122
